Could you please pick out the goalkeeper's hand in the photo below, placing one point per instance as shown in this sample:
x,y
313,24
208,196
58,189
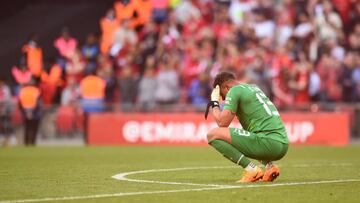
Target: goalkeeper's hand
x,y
215,98
215,94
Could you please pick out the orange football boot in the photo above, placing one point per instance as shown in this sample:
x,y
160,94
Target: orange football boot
x,y
249,177
271,174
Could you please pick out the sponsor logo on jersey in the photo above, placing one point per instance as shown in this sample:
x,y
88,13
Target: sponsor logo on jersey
x,y
228,100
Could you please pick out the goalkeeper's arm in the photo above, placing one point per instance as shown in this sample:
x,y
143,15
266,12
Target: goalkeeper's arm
x,y
222,118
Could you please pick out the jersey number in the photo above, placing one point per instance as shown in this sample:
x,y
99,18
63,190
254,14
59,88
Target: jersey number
x,y
243,132
268,106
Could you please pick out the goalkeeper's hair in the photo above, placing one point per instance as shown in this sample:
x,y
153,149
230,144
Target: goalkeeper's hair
x,y
223,77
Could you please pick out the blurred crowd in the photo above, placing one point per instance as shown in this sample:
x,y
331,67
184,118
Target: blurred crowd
x,y
151,53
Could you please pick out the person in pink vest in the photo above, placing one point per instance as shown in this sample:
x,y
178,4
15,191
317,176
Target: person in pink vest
x,y
65,44
21,75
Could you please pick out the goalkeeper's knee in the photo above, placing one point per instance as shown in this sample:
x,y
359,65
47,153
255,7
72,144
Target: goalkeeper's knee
x,y
219,133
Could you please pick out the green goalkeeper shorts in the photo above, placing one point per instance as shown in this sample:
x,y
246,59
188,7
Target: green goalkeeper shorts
x,y
257,146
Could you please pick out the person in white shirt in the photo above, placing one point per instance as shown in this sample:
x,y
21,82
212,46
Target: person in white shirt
x,y
264,28
328,22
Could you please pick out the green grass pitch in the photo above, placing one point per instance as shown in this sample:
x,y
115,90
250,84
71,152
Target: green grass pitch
x,y
309,174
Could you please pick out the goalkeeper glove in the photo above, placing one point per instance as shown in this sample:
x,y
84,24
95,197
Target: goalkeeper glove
x,y
215,98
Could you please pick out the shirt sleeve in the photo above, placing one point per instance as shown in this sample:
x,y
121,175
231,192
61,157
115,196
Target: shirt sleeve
x,y
232,100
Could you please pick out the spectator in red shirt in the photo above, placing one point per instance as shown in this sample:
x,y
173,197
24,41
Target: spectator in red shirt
x,y
281,90
329,70
281,70
75,66
300,82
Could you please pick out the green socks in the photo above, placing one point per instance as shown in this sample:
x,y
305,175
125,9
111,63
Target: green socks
x,y
230,152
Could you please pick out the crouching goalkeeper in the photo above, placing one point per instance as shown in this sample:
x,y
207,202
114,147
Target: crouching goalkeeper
x,y
263,136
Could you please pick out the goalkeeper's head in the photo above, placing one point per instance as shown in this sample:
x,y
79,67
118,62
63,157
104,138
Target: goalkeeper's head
x,y
225,80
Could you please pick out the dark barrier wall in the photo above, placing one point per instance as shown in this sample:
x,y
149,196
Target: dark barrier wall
x,y
20,18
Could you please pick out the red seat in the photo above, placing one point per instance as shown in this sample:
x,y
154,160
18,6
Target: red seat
x,y
66,119
16,117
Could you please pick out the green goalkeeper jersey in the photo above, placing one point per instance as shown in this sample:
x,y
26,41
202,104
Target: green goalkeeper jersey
x,y
255,112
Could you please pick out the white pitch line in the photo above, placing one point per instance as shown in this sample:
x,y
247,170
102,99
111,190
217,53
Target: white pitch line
x,y
320,165
206,187
175,191
122,176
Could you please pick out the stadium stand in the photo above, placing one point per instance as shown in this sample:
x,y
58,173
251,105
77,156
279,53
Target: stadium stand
x,y
298,52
